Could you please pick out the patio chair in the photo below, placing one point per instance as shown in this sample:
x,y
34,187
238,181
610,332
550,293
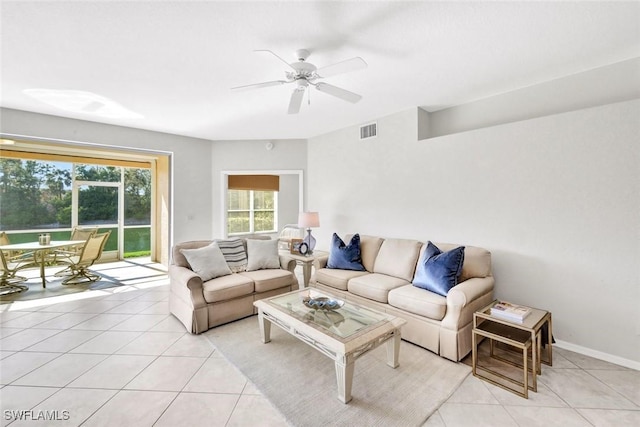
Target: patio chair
x,y
4,240
79,233
63,255
10,263
79,264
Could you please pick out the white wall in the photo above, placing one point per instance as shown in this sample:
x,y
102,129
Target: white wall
x,y
555,199
191,159
288,199
604,85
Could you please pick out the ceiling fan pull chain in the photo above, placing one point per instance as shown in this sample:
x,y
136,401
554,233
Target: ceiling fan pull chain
x,y
309,97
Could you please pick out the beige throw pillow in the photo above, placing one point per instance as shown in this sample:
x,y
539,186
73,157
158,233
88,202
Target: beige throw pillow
x,y
207,262
262,254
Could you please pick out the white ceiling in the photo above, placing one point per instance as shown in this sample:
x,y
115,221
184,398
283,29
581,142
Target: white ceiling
x,y
175,62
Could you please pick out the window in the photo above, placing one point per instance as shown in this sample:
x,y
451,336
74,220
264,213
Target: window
x,y
251,211
142,176
34,194
37,195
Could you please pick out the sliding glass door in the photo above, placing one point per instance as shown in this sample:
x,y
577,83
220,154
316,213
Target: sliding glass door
x,y
98,206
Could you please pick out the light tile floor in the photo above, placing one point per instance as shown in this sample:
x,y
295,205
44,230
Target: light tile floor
x,y
116,357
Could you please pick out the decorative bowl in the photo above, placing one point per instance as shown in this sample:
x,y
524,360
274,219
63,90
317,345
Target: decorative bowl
x,y
322,303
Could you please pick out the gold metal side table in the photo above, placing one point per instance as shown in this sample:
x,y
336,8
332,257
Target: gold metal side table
x,y
526,336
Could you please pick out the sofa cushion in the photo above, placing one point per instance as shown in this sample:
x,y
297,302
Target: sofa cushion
x,y
398,257
477,261
375,286
177,257
235,254
369,247
438,271
207,262
337,278
268,280
418,301
262,254
227,287
345,256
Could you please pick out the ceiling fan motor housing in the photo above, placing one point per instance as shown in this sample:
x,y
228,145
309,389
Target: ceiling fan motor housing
x,y
302,54
304,70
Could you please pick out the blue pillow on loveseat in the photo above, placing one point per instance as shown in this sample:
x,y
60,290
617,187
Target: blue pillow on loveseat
x,y
345,257
438,271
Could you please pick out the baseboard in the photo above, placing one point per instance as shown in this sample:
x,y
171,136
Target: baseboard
x,y
598,355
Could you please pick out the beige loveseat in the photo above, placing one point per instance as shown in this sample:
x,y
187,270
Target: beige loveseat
x,y
202,305
437,323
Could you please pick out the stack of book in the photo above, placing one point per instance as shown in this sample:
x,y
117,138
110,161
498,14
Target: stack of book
x,y
511,312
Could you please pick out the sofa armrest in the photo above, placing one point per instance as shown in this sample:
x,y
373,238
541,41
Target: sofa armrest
x,y
287,263
187,285
465,299
320,262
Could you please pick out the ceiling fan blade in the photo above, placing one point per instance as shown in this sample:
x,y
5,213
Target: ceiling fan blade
x,y
296,100
338,92
260,85
346,66
274,54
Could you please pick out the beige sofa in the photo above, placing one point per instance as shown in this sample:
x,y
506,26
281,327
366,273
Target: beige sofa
x,y
202,305
437,323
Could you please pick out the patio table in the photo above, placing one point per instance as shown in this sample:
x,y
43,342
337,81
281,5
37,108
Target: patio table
x,y
43,249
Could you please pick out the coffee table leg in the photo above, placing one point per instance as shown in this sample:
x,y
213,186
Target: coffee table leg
x,y
344,375
393,350
265,327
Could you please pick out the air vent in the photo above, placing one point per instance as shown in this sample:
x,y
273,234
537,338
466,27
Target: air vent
x,y
368,131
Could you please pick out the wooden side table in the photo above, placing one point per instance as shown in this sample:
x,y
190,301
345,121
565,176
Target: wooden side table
x,y
306,261
523,336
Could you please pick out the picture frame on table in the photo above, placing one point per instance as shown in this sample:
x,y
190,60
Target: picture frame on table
x,y
295,246
303,249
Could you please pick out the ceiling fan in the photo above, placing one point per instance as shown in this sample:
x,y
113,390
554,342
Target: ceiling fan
x,y
305,74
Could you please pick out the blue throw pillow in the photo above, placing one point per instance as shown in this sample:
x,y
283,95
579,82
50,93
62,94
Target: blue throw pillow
x,y
345,257
438,271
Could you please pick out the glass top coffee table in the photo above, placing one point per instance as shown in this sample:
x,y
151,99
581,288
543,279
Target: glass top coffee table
x,y
341,330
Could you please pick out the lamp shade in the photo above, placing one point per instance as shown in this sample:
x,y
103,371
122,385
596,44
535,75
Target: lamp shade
x,y
308,219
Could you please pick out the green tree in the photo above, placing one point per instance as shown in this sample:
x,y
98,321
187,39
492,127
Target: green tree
x,y
137,196
20,198
97,205
97,173
57,180
35,194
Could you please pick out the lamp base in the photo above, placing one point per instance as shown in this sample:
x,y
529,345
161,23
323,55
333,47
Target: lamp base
x,y
310,241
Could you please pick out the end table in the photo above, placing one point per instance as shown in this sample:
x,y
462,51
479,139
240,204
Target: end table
x,y
526,336
306,261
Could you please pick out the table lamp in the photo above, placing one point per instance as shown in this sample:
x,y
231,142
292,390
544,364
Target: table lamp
x,y
308,220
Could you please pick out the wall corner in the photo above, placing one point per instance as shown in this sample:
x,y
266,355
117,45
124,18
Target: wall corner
x,y
423,124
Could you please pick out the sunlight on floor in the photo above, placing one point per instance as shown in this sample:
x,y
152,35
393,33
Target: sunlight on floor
x,y
117,277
